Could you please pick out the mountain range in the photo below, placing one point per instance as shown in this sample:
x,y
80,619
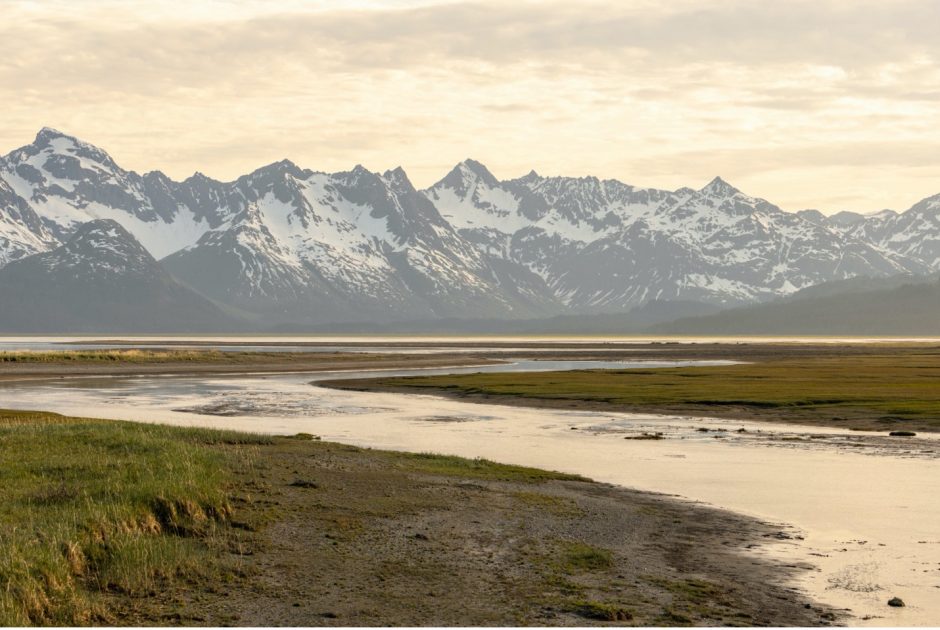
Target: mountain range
x,y
287,246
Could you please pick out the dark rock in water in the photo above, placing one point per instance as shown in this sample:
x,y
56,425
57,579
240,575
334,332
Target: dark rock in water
x,y
647,436
896,602
902,434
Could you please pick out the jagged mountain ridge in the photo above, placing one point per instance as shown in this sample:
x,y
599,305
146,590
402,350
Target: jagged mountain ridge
x,y
286,244
713,245
282,243
914,233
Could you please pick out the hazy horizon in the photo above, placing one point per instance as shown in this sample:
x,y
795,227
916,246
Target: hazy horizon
x,y
822,105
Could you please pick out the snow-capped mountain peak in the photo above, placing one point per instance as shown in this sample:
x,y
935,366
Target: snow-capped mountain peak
x,y
719,188
288,244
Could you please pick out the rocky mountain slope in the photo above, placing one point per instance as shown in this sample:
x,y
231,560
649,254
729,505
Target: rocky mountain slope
x,y
100,280
602,245
912,234
289,245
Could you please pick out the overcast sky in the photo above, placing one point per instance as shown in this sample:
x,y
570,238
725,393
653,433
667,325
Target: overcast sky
x,y
825,104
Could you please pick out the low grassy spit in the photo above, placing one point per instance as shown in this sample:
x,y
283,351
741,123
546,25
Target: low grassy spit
x,y
130,355
894,390
21,366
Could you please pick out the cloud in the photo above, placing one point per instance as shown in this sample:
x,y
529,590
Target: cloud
x,y
654,93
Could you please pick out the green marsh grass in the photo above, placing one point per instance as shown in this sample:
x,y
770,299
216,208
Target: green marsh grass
x,y
90,507
893,389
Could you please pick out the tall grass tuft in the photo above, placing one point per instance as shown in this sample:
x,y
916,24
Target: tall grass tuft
x,y
91,507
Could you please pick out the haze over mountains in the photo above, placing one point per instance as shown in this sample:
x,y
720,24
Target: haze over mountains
x,y
898,306
286,246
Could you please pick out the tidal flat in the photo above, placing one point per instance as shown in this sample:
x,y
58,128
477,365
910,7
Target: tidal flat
x,y
116,523
850,513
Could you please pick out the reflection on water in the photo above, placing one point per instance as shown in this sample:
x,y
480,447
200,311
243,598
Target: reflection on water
x,y
866,504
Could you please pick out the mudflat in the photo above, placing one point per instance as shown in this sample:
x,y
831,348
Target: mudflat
x,y
361,537
254,530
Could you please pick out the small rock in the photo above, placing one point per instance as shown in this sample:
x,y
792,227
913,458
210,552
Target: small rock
x,y
304,483
896,602
420,536
902,434
781,536
646,436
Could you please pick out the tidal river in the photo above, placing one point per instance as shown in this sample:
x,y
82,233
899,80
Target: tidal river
x,y
861,508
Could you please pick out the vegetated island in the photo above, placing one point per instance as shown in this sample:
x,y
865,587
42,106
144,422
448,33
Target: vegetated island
x,y
865,387
108,522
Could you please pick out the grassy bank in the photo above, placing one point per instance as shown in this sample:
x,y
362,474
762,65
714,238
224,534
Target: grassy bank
x,y
894,389
91,510
97,514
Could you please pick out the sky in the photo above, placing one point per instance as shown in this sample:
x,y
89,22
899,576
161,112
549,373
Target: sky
x,y
827,104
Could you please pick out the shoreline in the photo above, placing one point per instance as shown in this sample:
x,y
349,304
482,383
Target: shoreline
x,y
322,533
496,551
